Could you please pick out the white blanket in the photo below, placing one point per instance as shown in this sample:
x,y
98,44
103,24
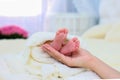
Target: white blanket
x,y
103,41
34,64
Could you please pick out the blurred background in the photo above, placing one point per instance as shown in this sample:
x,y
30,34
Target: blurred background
x,y
93,20
50,15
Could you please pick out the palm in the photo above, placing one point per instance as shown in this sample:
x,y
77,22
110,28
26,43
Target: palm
x,y
79,57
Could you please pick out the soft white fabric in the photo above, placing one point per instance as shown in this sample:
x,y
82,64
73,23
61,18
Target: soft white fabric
x,y
23,66
98,31
108,32
113,35
34,64
13,46
105,43
39,60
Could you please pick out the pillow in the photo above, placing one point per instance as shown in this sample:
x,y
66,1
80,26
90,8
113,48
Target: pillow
x,y
98,31
114,34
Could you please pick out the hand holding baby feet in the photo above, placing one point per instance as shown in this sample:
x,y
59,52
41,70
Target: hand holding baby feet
x,y
59,39
71,46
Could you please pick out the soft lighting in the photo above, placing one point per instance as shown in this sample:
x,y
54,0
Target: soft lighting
x,y
20,7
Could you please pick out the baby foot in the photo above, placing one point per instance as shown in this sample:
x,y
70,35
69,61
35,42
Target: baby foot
x,y
70,47
59,39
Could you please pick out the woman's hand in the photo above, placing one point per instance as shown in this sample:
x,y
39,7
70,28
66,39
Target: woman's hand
x,y
79,58
82,58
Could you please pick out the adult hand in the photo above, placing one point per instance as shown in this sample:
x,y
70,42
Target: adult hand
x,y
82,58
79,58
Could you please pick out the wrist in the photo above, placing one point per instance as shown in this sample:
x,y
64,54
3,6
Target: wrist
x,y
91,63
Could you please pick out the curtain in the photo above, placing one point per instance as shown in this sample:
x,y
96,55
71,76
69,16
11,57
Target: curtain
x,y
50,15
76,15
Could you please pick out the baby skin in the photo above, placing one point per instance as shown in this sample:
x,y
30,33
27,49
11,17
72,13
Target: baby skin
x,y
59,43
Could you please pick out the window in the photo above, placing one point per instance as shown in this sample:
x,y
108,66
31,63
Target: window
x,y
20,7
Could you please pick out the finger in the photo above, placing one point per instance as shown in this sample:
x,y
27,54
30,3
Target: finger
x,y
55,54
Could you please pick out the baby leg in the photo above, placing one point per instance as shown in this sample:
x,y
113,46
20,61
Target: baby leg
x,y
70,47
59,39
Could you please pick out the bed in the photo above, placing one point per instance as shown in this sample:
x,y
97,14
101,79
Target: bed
x,y
18,64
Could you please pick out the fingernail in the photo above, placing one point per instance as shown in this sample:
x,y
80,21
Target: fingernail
x,y
46,47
